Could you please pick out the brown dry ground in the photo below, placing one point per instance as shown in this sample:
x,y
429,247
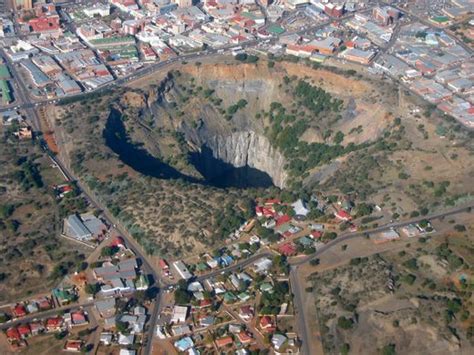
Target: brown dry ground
x,y
379,309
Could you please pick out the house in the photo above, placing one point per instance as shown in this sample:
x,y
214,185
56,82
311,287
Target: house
x,y
204,304
54,324
184,344
106,308
182,329
139,311
125,269
278,340
287,249
36,328
44,303
19,310
243,296
182,270
24,133
235,328
127,352
118,242
229,297
343,215
73,345
266,324
316,234
24,330
225,341
244,337
78,318
163,264
106,338
266,287
206,321
65,295
109,323
300,209
32,307
246,313
180,314
283,220
126,339
13,334
262,265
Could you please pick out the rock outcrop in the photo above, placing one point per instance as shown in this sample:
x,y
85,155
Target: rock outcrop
x,y
242,149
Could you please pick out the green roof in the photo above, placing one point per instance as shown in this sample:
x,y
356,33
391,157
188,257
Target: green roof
x,y
229,297
440,19
63,294
113,40
4,73
305,241
275,29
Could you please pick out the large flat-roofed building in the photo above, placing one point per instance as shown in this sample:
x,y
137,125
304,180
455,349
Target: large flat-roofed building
x,y
83,228
182,270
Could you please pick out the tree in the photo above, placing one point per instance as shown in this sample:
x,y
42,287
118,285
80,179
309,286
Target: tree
x,y
460,228
182,296
345,323
314,262
389,349
345,349
92,289
122,327
109,251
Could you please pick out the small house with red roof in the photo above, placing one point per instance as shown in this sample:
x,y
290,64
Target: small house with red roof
x,y
13,334
118,242
266,324
246,313
316,234
36,328
19,310
221,342
78,318
73,345
244,337
54,324
343,215
287,249
283,220
204,304
163,264
24,330
44,303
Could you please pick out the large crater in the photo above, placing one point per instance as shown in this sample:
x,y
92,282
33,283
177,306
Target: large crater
x,y
241,160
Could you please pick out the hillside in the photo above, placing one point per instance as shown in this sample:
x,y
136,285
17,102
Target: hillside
x,y
186,152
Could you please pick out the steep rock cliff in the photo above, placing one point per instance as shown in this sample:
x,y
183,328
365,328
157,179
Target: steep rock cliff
x,y
245,148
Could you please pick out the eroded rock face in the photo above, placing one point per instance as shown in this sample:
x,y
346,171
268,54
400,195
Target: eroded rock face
x,y
242,149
